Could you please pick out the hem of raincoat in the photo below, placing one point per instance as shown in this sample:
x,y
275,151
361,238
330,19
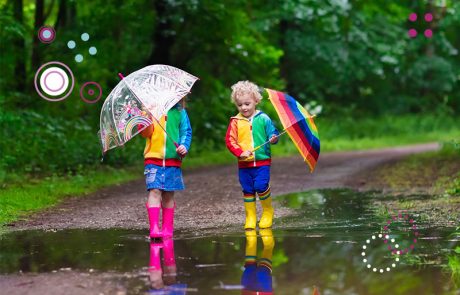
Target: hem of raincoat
x,y
167,162
251,164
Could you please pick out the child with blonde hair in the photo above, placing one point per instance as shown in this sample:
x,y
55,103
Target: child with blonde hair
x,y
247,130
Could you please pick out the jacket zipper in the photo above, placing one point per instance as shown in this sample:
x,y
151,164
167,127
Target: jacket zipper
x,y
252,143
166,141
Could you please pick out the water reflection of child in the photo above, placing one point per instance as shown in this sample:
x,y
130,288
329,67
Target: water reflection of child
x,y
163,280
257,274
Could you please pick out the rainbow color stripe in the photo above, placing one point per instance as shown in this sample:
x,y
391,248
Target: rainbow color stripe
x,y
132,123
298,124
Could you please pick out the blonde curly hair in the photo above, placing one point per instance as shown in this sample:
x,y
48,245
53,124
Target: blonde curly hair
x,y
245,87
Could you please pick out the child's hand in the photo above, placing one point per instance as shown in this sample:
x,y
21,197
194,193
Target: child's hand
x,y
245,154
274,139
181,150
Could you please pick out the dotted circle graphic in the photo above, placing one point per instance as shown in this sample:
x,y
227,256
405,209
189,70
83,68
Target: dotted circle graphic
x,y
90,91
54,81
380,269
71,44
427,18
401,218
46,34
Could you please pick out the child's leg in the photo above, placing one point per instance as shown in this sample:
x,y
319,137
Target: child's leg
x,y
250,210
264,270
154,198
153,210
168,205
247,183
262,186
248,279
167,199
170,269
155,272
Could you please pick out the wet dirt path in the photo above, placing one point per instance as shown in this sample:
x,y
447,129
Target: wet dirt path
x,y
212,198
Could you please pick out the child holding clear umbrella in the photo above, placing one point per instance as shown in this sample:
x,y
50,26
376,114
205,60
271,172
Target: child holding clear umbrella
x,y
167,142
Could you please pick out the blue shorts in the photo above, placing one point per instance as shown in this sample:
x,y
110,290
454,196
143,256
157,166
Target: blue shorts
x,y
163,178
254,179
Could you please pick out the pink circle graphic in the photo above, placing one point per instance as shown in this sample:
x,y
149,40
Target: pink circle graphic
x,y
412,33
65,67
46,34
428,17
91,92
413,17
62,78
413,226
428,33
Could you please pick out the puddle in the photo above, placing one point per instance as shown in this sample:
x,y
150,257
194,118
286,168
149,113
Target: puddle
x,y
336,243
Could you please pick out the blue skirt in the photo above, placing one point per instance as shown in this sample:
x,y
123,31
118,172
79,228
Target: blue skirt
x,y
163,178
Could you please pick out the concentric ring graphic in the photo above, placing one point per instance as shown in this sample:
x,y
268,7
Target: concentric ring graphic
x,y
46,34
54,81
89,88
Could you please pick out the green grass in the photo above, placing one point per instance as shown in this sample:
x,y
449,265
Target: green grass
x,y
20,200
437,171
343,134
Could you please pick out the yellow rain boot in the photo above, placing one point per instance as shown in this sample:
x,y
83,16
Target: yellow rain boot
x,y
267,214
251,216
251,247
264,269
269,243
250,262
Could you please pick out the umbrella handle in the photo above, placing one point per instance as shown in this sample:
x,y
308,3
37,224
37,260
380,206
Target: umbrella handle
x,y
258,147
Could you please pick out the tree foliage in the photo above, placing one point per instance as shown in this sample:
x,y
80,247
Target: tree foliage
x,y
352,57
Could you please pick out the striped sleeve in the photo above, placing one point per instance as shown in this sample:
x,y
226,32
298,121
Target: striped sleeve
x,y
231,138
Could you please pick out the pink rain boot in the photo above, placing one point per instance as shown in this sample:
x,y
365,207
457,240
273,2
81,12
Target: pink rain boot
x,y
168,221
170,270
155,271
154,217
168,252
155,261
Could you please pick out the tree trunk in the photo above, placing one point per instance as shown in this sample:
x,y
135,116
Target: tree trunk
x,y
39,21
20,77
66,15
162,43
61,19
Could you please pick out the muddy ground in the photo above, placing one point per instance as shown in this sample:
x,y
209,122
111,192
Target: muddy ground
x,y
212,198
211,204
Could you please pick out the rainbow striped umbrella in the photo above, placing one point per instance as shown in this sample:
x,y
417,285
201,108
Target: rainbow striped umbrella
x,y
298,123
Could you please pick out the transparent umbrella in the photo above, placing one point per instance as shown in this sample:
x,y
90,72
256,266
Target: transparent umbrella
x,y
140,98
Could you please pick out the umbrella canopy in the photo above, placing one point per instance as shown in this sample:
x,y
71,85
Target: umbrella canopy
x,y
141,97
299,124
